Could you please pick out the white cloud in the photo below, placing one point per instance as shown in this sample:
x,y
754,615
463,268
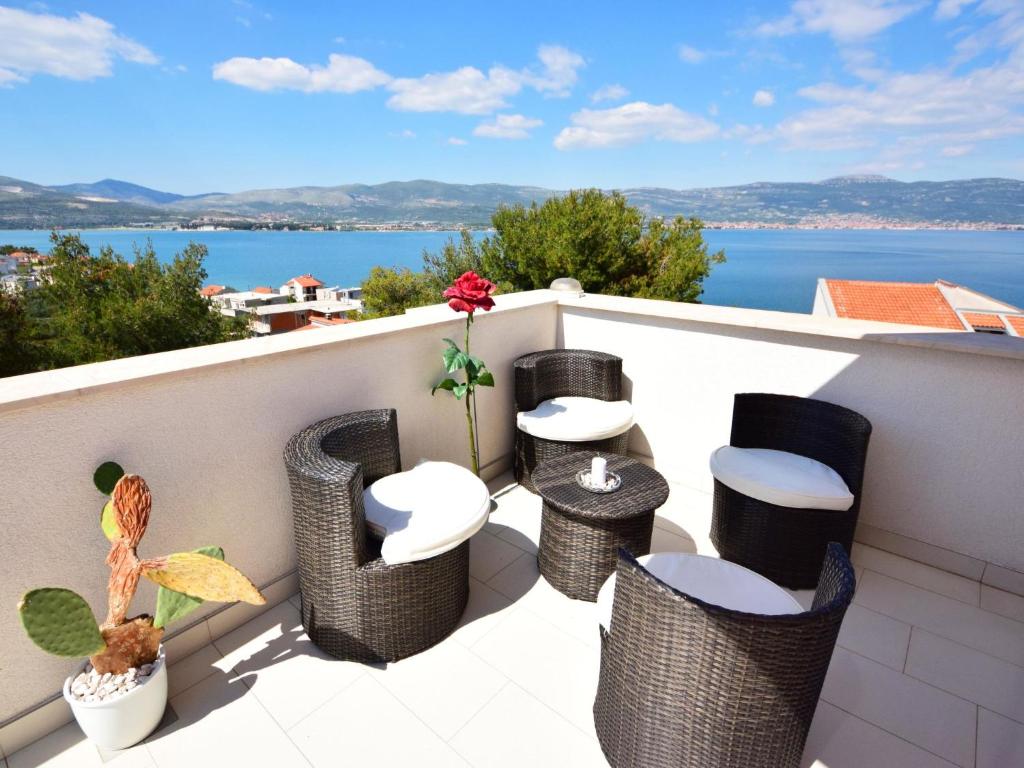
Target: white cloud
x,y
612,92
403,134
691,55
471,92
763,98
507,127
343,74
632,123
455,141
559,72
80,47
844,20
950,9
713,109
957,150
466,90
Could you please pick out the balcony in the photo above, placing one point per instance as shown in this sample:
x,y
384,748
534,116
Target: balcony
x,y
930,665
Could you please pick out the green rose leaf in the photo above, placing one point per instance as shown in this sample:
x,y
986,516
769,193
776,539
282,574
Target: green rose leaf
x,y
451,343
485,379
454,359
447,384
460,390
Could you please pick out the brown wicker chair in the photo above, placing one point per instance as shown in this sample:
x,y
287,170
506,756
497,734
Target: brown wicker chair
x,y
354,605
784,544
541,376
688,684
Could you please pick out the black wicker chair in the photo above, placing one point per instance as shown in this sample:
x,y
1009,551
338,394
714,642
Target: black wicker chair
x,y
354,605
686,683
784,544
541,376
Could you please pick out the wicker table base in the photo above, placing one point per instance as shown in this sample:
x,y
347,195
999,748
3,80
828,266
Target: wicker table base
x,y
581,532
576,555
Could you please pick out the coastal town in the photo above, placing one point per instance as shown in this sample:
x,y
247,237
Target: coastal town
x,y
302,303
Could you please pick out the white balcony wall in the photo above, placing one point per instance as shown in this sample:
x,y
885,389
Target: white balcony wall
x,y
206,427
945,464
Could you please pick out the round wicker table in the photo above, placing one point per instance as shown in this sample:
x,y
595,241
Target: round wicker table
x,y
581,531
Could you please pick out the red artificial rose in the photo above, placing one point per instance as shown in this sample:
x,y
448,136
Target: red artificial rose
x,y
470,292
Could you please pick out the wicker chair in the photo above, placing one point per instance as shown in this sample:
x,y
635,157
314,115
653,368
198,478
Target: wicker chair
x,y
355,606
686,683
541,376
784,544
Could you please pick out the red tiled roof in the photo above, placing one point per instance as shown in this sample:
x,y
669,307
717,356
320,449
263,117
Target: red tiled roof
x,y
1017,324
907,303
982,320
211,290
262,289
305,281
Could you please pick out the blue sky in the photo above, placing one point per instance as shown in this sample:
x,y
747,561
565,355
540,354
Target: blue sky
x,y
226,95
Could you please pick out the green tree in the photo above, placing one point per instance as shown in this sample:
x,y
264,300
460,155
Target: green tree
x,y
16,353
454,260
390,291
605,243
101,307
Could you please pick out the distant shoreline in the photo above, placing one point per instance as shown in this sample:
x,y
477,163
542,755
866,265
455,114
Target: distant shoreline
x,y
878,226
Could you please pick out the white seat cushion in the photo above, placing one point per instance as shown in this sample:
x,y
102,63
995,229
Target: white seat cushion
x,y
710,579
780,478
426,511
577,419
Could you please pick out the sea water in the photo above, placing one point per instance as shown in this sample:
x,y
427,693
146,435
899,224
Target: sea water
x,y
765,269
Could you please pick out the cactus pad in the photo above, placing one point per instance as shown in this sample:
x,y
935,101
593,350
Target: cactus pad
x,y
171,605
106,476
108,523
60,622
202,576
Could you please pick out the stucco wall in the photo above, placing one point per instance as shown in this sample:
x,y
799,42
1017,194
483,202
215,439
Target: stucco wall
x,y
945,462
208,438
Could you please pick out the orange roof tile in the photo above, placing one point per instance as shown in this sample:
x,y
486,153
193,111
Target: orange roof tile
x,y
262,289
1017,323
305,281
211,290
907,303
982,320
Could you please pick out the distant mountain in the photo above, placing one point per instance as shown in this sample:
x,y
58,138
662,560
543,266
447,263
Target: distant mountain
x,y
118,203
121,191
24,205
970,200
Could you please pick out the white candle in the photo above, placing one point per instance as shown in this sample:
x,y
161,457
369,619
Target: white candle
x,y
598,465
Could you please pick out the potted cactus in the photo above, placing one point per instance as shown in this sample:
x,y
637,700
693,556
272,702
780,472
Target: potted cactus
x,y
118,695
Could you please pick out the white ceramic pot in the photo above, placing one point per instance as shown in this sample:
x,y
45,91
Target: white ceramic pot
x,y
124,720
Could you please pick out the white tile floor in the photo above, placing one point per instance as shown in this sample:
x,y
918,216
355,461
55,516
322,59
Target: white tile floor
x,y
929,672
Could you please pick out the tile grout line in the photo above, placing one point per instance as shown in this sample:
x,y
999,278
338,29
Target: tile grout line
x,y
977,728
940,634
1012,718
927,589
471,718
338,693
558,629
906,655
894,735
909,677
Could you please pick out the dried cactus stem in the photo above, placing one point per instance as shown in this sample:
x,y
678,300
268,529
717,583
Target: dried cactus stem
x,y
131,644
124,579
